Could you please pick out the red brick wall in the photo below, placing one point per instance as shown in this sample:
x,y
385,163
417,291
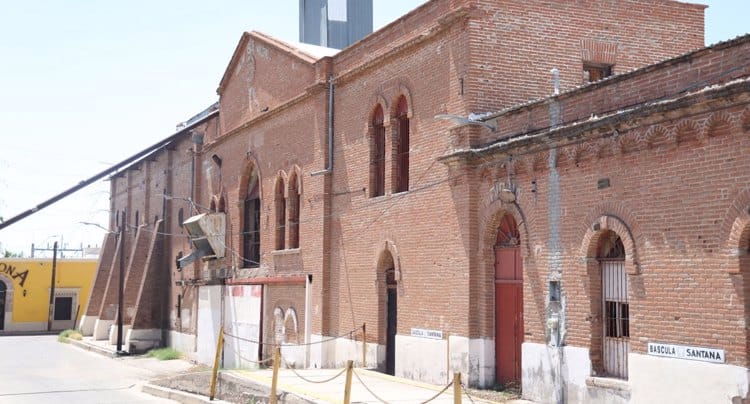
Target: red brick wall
x,y
142,188
289,139
474,60
677,198
688,73
103,268
263,77
423,223
514,44
449,57
283,297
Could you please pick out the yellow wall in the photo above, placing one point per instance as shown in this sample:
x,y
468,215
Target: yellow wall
x,y
34,306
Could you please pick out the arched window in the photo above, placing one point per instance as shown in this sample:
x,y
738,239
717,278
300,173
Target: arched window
x,y
377,154
291,331
137,219
280,202
294,205
401,146
180,217
251,223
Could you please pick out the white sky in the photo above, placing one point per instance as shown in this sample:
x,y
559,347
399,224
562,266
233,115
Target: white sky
x,y
85,84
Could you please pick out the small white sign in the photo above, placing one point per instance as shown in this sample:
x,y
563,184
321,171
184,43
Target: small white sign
x,y
431,334
687,352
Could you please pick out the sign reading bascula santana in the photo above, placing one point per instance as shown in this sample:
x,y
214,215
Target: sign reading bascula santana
x,y
686,352
431,334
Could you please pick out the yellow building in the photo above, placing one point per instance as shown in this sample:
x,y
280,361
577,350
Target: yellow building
x,y
25,286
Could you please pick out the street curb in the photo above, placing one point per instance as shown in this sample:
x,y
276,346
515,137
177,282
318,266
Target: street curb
x,y
5,333
93,348
177,395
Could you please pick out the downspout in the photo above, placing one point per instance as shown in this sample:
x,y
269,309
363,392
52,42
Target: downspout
x,y
325,268
556,311
196,168
329,166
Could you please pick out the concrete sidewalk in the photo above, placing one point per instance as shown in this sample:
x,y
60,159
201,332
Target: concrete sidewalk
x,y
368,386
309,385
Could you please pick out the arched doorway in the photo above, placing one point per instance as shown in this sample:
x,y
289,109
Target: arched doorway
x,y
615,306
388,309
744,268
508,303
2,304
391,328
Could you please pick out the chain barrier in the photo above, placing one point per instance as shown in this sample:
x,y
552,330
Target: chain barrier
x,y
260,362
456,383
356,374
350,333
310,380
466,391
438,394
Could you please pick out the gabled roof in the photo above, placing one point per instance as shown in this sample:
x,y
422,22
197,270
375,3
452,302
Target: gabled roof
x,y
304,52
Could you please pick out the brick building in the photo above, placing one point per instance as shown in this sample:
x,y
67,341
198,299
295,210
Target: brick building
x,y
616,217
378,185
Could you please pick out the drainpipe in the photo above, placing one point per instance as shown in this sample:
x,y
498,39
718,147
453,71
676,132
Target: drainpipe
x,y
195,169
329,167
556,80
556,311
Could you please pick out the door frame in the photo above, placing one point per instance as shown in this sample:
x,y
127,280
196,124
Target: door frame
x,y
391,321
508,275
516,286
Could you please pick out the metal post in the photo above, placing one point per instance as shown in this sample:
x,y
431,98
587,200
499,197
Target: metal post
x,y
364,345
308,317
348,387
457,388
448,354
51,315
219,347
120,290
275,379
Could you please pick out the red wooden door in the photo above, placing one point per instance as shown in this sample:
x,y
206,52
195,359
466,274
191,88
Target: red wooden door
x,y
508,314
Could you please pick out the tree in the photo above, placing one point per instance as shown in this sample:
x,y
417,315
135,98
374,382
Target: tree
x,y
11,254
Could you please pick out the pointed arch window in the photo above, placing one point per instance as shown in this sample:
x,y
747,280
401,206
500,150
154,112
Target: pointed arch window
x,y
251,223
401,147
377,154
294,207
280,202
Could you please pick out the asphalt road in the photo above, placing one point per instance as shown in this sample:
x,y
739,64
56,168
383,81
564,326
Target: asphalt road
x,y
38,369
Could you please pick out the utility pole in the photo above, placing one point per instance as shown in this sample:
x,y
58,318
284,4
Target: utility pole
x,y
51,315
120,235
